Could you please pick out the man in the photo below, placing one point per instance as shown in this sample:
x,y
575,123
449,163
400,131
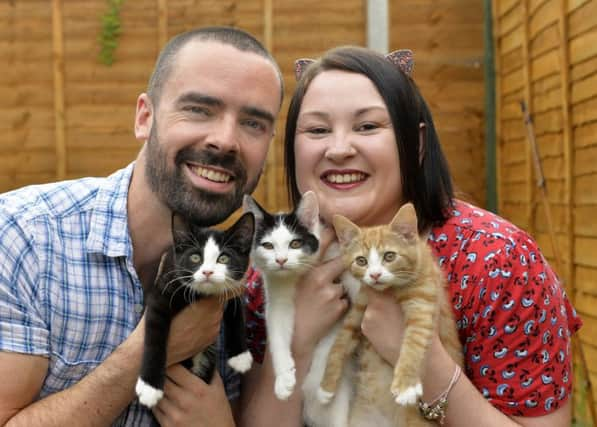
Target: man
x,y
76,255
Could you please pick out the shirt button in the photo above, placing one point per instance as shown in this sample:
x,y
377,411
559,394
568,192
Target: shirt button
x,y
138,308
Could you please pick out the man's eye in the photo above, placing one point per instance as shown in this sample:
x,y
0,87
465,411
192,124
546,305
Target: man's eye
x,y
255,125
197,109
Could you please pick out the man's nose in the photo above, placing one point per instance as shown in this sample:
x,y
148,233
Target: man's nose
x,y
223,136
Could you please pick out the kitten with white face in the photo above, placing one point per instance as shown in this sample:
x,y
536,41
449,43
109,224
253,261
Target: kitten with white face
x,y
286,246
201,262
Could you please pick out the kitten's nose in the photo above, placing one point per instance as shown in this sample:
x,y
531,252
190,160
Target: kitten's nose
x,y
375,276
281,261
207,273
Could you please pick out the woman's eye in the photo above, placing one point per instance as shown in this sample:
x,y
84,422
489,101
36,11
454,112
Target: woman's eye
x,y
389,256
195,258
296,243
318,130
364,127
223,259
267,245
361,261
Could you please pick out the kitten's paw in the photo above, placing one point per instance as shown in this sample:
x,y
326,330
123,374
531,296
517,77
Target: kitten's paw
x,y
148,395
241,362
285,384
324,396
409,395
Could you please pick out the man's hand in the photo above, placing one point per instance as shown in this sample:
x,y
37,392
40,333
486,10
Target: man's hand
x,y
189,401
193,329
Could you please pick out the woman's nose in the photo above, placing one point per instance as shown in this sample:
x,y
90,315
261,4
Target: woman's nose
x,y
340,148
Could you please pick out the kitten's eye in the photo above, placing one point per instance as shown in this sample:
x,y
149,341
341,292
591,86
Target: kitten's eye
x,y
195,258
267,245
296,243
223,259
389,256
361,261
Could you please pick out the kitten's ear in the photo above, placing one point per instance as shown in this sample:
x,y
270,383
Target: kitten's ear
x,y
251,205
346,230
180,227
405,222
307,210
242,230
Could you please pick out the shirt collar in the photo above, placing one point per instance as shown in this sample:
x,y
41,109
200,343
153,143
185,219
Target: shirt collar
x,y
108,229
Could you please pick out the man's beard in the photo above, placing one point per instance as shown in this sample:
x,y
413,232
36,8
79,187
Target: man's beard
x,y
174,189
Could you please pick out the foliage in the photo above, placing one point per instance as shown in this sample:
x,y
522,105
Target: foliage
x,y
110,33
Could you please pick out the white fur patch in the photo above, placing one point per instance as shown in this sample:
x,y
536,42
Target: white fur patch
x,y
323,396
242,362
148,395
285,384
410,395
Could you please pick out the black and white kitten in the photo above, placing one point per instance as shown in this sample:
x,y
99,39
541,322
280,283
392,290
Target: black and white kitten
x,y
201,262
286,246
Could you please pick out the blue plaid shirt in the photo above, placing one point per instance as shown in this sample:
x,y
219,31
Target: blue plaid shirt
x,y
68,288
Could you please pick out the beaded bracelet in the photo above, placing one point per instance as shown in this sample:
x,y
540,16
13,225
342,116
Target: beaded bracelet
x,y
436,409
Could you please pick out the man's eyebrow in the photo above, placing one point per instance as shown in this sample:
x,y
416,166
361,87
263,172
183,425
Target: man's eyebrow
x,y
260,113
199,98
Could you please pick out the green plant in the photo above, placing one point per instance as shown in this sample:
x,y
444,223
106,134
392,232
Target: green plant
x,y
110,33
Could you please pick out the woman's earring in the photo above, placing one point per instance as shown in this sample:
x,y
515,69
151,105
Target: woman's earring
x,y
422,133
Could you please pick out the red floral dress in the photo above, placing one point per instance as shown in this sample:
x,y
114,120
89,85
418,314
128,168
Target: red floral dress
x,y
514,318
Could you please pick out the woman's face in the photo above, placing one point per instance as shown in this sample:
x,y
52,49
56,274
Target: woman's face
x,y
345,149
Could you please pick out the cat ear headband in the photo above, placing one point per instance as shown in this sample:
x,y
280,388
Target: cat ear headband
x,y
401,58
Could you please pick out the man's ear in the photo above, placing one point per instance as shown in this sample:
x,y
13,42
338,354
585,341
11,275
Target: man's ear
x,y
143,117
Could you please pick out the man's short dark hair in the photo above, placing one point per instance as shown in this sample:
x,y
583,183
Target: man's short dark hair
x,y
235,37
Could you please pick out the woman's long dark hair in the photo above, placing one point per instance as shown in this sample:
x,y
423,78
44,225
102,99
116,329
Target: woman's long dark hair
x,y
425,175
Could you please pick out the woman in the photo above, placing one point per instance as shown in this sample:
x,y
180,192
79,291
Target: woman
x,y
360,135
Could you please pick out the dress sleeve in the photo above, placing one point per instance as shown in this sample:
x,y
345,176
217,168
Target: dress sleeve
x,y
515,322
255,306
21,322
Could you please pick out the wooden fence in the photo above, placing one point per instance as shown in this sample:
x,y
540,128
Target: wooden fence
x,y
65,115
546,55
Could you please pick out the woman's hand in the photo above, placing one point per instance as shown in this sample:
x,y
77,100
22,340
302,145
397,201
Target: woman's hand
x,y
319,301
383,323
189,401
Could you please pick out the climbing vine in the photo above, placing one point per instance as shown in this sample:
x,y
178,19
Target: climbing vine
x,y
111,29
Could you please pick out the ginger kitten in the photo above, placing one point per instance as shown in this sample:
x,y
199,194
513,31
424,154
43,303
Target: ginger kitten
x,y
391,256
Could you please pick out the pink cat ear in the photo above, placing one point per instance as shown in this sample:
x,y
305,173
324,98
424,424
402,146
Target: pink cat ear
x,y
308,210
346,231
300,65
403,59
405,222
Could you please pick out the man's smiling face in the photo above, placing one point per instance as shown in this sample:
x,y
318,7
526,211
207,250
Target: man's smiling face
x,y
211,130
